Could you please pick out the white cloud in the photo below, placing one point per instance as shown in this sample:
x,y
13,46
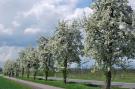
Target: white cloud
x,y
5,31
39,8
49,8
45,14
80,12
15,24
31,31
8,52
10,8
132,3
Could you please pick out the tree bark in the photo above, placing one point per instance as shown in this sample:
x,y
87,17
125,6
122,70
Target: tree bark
x,y
65,71
108,80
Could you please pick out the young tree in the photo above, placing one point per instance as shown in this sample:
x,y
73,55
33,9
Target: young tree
x,y
27,60
8,68
21,59
46,55
35,61
67,45
110,37
16,67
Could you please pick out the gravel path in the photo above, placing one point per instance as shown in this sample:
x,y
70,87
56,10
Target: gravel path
x,y
32,84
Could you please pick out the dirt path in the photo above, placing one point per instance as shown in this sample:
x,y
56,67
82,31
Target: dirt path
x,y
32,84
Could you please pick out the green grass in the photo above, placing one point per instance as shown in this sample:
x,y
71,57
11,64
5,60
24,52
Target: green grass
x,y
62,85
9,84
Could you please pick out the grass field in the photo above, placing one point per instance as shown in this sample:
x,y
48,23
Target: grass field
x,y
119,76
67,86
8,84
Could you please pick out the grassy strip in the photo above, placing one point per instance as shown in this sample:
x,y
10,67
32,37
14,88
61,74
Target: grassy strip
x,y
9,84
62,85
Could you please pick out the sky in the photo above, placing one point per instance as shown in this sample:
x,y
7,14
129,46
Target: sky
x,y
22,22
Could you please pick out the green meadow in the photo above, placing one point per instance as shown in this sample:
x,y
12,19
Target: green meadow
x,y
9,84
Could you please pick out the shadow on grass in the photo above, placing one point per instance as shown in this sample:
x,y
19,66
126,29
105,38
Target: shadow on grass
x,y
89,85
71,82
92,85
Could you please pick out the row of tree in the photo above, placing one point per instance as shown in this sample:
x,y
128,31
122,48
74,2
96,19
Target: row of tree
x,y
109,39
58,51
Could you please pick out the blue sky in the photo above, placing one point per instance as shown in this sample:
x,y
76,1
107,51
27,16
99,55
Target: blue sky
x,y
22,22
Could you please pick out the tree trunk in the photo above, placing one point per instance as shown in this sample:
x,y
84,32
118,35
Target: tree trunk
x,y
65,71
35,74
46,75
28,73
22,72
108,80
46,69
46,72
16,75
